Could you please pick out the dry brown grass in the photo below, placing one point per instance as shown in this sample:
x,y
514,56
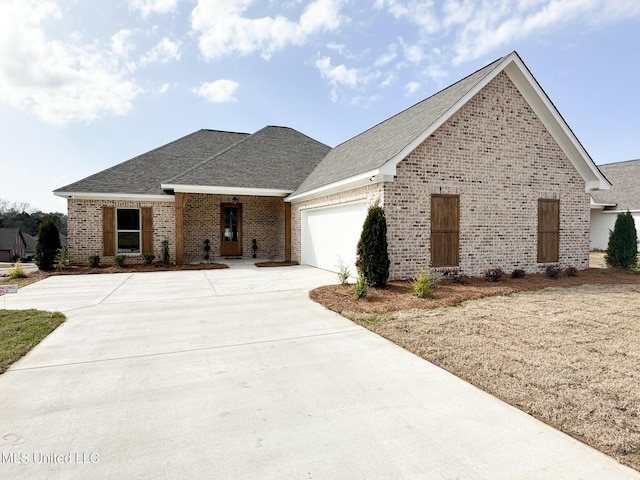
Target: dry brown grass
x,y
568,356
566,351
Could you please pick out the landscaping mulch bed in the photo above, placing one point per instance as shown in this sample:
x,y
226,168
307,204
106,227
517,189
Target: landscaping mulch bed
x,y
398,295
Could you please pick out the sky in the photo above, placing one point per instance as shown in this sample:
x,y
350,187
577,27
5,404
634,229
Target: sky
x,y
87,84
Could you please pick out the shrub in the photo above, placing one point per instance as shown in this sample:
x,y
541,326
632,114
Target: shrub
x,y
63,259
17,271
147,258
460,278
360,288
47,245
518,273
94,260
421,285
622,250
553,272
165,251
119,260
372,256
571,271
493,274
343,271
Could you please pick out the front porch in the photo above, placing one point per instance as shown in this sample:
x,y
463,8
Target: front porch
x,y
231,223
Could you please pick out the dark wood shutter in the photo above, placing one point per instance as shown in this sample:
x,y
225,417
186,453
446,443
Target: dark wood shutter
x,y
548,231
147,230
445,230
108,231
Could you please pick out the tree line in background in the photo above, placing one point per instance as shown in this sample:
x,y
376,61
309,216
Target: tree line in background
x,y
27,218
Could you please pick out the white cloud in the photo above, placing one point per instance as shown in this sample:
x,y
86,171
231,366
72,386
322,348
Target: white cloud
x,y
223,30
493,25
413,53
342,76
411,88
220,91
389,56
338,75
165,51
148,7
60,82
120,44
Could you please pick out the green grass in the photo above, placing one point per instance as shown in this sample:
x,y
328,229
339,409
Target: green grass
x,y
21,330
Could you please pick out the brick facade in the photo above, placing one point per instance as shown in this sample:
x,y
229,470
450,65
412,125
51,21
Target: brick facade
x,y
500,159
84,228
262,219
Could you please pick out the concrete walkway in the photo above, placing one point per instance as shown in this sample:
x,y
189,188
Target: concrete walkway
x,y
237,374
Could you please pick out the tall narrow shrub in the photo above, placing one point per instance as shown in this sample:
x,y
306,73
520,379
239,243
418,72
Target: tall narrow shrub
x,y
622,250
372,256
47,245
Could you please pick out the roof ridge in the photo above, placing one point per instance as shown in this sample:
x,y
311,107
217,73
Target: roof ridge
x,y
619,162
207,160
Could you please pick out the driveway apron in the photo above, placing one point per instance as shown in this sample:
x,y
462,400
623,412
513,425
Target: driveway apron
x,y
236,374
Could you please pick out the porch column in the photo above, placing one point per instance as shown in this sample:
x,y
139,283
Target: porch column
x,y
181,201
287,232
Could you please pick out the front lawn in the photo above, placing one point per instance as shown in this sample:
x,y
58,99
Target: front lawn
x,y
21,330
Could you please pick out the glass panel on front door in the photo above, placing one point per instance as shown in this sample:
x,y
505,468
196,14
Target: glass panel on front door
x,y
230,224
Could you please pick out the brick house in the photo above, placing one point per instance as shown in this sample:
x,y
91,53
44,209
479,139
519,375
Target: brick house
x,y
14,243
484,173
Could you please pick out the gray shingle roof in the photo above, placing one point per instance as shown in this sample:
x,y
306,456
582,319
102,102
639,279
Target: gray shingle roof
x,y
8,238
143,174
273,158
625,189
374,147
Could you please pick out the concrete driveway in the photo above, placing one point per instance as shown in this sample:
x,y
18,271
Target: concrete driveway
x,y
237,374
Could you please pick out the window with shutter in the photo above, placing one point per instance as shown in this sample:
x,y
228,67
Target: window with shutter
x,y
445,230
548,231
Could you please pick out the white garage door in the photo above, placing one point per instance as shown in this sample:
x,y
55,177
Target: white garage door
x,y
332,232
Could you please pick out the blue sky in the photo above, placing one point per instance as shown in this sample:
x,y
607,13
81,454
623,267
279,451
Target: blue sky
x,y
87,84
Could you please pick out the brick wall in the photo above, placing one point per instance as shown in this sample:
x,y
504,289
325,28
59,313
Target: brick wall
x,y
84,228
262,219
499,158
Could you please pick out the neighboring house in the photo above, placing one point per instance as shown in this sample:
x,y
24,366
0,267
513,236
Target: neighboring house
x,y
15,244
484,173
623,196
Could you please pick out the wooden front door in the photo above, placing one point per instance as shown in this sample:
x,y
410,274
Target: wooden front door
x,y
231,230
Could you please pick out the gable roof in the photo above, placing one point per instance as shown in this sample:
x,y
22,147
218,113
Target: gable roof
x,y
144,174
374,154
272,161
8,238
625,189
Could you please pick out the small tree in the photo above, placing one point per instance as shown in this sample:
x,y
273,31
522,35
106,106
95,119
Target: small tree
x,y
372,256
48,244
622,250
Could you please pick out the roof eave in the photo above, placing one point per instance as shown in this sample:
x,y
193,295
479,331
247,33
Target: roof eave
x,y
362,180
114,196
223,190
